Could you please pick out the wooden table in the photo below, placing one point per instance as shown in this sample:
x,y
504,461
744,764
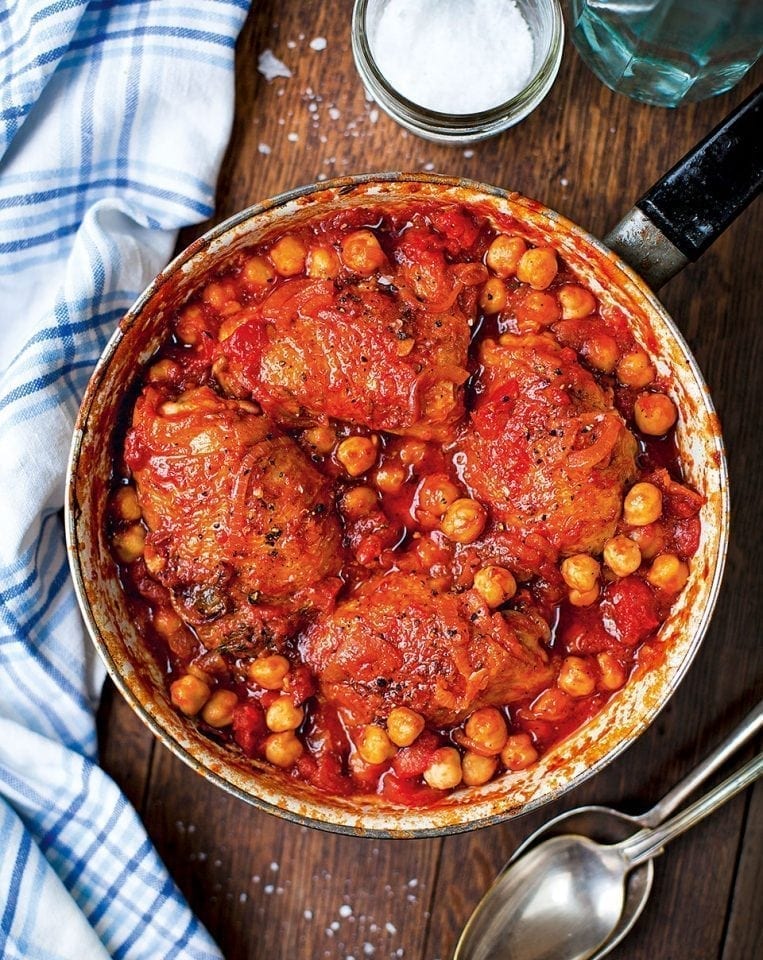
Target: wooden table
x,y
271,890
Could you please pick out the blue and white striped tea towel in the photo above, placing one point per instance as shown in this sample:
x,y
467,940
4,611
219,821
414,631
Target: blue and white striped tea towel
x,y
113,120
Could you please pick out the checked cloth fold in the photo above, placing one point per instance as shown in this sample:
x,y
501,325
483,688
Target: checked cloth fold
x,y
113,120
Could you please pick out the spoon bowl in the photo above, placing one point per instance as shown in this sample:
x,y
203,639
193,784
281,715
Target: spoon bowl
x,y
604,825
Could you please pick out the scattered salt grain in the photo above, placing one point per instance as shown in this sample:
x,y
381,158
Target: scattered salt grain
x,y
318,43
334,925
345,910
369,949
335,113
291,44
292,137
274,867
242,898
429,166
308,914
413,883
263,148
390,927
416,44
564,182
468,154
271,67
268,888
373,115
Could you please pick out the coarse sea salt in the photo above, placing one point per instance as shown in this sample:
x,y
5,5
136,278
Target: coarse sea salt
x,y
453,56
271,67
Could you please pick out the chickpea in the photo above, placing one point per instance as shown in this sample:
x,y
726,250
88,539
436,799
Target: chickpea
x,y
358,502
477,769
580,572
503,255
601,352
464,520
535,310
166,623
323,263
635,369
128,544
576,677
668,572
576,301
126,504
487,728
227,328
493,298
283,749
642,505
444,770
436,493
654,413
611,671
357,454
269,672
374,745
362,253
189,694
404,725
495,585
217,295
190,325
258,272
519,752
538,267
321,438
622,555
553,704
165,369
288,255
154,561
390,477
282,715
649,539
583,598
218,710
412,452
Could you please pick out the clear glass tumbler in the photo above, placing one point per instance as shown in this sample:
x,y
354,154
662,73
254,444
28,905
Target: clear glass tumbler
x,y
666,52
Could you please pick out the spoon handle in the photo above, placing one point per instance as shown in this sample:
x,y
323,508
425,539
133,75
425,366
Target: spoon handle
x,y
647,843
751,724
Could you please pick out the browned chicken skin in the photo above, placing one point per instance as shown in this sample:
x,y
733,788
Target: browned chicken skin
x,y
545,446
360,352
397,641
242,528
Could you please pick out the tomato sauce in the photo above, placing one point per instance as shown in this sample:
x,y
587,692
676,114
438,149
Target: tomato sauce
x,y
396,506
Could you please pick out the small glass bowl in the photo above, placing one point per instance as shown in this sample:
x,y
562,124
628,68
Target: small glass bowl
x,y
544,18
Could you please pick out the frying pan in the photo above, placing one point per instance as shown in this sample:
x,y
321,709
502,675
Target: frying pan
x,y
670,225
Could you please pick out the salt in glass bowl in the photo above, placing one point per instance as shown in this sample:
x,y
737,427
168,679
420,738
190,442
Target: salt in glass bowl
x,y
546,25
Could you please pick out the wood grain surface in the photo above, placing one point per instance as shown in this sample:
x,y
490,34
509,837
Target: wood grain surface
x,y
271,890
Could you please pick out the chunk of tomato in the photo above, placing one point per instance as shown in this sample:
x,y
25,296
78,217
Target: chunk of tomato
x,y
629,610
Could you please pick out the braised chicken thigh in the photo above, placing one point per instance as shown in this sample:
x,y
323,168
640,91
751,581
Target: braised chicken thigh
x,y
242,529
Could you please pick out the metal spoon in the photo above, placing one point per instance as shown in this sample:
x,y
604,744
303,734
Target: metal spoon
x,y
608,825
603,824
563,899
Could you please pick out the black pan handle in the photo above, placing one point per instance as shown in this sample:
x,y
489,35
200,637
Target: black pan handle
x,y
684,212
